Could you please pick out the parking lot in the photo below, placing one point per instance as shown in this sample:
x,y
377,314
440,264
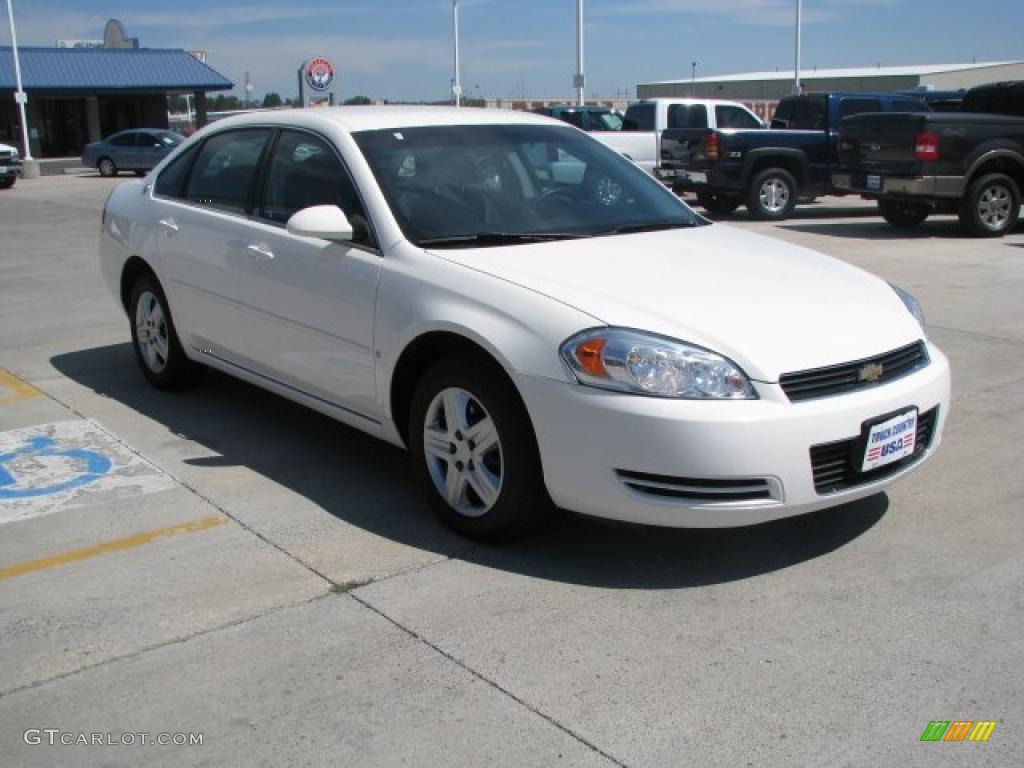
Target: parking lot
x,y
249,571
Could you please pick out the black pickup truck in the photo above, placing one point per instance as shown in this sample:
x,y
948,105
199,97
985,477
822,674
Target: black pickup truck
x,y
970,163
769,171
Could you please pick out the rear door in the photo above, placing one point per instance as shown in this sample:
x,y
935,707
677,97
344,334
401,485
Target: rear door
x,y
203,227
686,125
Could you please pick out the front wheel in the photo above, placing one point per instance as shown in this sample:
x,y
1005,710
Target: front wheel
x,y
8,182
154,339
772,195
474,451
904,214
717,203
991,206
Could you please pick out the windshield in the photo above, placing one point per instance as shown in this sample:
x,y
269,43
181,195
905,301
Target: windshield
x,y
170,138
495,184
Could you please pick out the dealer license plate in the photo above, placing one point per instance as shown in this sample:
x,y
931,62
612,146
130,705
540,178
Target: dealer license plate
x,y
874,182
697,177
890,440
3,169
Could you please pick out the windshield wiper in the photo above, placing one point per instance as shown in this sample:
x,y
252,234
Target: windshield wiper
x,y
497,238
649,226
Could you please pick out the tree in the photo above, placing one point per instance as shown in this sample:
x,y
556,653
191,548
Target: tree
x,y
272,99
357,101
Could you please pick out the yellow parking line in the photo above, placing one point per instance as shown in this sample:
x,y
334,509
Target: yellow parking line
x,y
13,389
117,545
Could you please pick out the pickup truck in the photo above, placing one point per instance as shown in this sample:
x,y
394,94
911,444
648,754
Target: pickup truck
x,y
769,171
970,163
644,122
10,166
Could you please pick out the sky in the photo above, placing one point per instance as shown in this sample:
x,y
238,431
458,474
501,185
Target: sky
x,y
402,49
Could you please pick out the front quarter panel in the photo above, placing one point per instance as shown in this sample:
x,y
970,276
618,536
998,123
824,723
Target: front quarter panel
x,y
127,230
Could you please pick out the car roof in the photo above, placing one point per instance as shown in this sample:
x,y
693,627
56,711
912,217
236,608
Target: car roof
x,y
367,118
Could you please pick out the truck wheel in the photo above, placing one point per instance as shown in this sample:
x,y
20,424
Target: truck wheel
x,y
107,167
904,214
716,202
991,206
772,195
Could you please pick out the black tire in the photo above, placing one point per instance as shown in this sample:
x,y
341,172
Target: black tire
x,y
521,499
172,370
774,204
991,206
8,182
717,203
904,214
106,167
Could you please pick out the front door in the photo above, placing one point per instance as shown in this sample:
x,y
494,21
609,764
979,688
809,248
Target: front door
x,y
309,303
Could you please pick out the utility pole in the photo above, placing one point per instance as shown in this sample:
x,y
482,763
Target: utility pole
x,y
456,82
796,69
693,80
580,80
19,94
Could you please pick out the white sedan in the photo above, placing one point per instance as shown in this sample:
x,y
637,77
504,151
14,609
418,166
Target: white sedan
x,y
535,318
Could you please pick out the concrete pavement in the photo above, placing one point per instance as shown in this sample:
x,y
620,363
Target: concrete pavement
x,y
281,588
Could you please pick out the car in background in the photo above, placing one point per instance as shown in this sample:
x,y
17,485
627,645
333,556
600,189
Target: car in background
x,y
10,166
939,101
534,317
586,118
645,121
137,150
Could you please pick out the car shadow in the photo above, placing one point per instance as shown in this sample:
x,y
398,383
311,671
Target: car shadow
x,y
806,211
946,229
369,484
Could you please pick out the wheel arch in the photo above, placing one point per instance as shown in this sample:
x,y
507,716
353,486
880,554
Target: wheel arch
x,y
998,161
134,267
792,161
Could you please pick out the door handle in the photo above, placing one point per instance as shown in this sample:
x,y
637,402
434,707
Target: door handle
x,y
260,249
169,224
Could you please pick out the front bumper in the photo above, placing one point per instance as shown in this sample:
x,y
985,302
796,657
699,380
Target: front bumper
x,y
899,186
587,435
10,167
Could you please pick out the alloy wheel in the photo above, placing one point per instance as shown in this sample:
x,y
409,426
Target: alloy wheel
x,y
151,332
995,206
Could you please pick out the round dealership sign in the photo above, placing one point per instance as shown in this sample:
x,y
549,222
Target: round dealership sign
x,y
319,74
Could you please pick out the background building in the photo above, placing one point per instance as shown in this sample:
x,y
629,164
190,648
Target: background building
x,y
763,89
81,94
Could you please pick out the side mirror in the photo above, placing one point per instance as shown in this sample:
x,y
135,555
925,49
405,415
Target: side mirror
x,y
328,222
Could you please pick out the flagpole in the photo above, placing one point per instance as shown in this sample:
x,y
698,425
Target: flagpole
x,y
19,95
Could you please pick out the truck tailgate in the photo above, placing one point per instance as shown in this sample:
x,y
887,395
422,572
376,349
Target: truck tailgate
x,y
681,146
881,141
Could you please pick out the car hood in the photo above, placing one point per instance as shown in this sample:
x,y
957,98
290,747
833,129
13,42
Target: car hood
x,y
770,306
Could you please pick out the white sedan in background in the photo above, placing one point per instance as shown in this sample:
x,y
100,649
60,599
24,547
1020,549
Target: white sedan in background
x,y
531,315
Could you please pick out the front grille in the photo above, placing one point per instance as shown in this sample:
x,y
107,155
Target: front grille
x,y
837,379
6,154
692,489
837,465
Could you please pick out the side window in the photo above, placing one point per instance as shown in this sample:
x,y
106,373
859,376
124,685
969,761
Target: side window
x,y
171,181
809,114
572,118
849,107
224,171
123,140
146,140
639,117
305,171
734,117
687,116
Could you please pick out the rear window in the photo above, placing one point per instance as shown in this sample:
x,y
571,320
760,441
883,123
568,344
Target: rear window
x,y
1007,99
733,117
687,116
809,114
639,117
856,106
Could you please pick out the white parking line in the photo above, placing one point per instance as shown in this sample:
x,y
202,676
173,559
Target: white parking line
x,y
69,464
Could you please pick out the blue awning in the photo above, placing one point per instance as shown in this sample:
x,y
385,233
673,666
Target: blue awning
x,y
109,69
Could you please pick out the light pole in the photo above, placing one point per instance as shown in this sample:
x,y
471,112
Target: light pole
x,y
580,80
693,79
19,94
796,67
456,81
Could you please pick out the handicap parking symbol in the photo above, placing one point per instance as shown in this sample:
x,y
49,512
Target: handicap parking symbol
x,y
96,465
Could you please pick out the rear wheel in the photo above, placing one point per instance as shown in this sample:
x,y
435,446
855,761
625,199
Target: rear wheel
x,y
903,213
991,206
474,451
717,203
106,167
158,351
772,194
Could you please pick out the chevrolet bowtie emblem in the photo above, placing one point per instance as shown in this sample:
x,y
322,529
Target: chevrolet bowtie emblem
x,y
871,372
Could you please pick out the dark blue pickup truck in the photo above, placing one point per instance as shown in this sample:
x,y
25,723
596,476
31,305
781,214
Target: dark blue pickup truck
x,y
770,171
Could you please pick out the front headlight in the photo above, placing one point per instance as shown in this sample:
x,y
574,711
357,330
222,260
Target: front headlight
x,y
912,305
645,364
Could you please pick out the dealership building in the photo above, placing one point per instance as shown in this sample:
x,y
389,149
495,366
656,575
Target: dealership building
x,y
768,87
79,94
